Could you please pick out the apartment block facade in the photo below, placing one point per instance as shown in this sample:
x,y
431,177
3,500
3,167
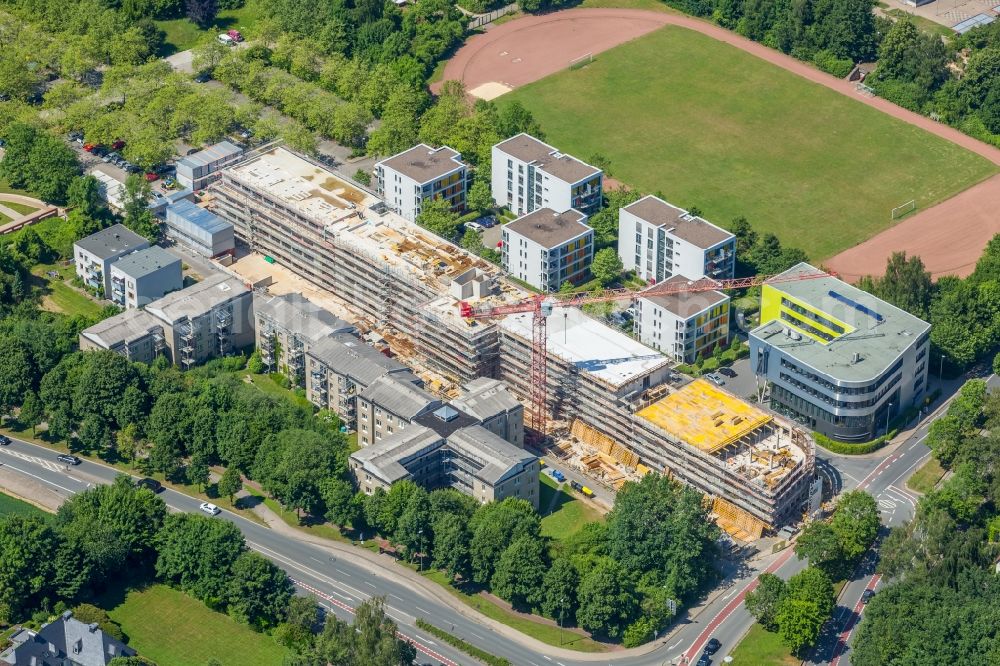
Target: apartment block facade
x,y
546,248
408,179
198,170
496,408
658,240
199,229
838,359
94,255
390,404
144,276
685,325
528,174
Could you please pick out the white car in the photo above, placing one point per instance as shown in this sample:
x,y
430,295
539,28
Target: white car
x,y
210,508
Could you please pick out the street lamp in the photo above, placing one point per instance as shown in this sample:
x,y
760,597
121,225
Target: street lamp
x,y
888,411
420,532
562,609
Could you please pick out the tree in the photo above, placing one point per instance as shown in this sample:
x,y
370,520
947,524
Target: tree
x,y
135,202
494,527
17,373
93,433
26,544
437,216
472,241
198,554
764,600
812,584
202,12
230,483
856,521
607,599
451,546
520,572
820,544
607,266
799,623
906,284
32,411
746,237
258,591
558,590
479,197
293,464
197,471
912,55
84,194
605,221
342,504
255,365
413,529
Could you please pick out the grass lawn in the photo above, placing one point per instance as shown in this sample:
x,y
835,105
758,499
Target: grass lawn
x,y
11,505
924,24
568,513
925,478
762,648
552,635
4,219
266,384
170,627
711,126
182,34
5,188
21,208
60,296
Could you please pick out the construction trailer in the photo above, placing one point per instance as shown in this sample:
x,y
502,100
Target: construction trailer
x,y
401,280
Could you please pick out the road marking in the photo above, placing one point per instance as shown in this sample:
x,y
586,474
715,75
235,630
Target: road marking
x,y
315,559
422,610
547,657
35,460
370,584
907,470
395,597
51,483
483,639
671,647
301,567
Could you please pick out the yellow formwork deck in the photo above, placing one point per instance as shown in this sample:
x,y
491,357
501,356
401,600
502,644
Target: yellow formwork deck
x,y
704,416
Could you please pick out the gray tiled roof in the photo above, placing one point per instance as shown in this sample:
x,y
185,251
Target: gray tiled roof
x,y
347,355
549,228
197,299
687,304
564,167
74,643
484,398
299,315
399,397
498,456
385,458
423,163
112,242
695,230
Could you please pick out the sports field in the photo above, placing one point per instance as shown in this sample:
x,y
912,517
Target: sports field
x,y
712,126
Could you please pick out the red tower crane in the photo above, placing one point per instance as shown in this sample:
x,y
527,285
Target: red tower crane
x,y
541,305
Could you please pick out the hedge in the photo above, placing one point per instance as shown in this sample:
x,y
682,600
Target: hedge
x,y
457,642
849,449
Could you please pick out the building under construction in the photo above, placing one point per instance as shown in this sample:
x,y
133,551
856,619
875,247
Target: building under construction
x,y
399,279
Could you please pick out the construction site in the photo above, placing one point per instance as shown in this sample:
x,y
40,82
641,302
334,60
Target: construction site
x,y
611,405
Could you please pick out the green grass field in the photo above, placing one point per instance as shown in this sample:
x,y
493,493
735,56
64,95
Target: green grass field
x,y
182,34
60,296
11,505
711,126
762,648
925,478
21,208
170,627
568,513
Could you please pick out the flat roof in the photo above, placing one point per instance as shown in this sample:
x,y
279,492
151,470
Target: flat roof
x,y
878,333
198,216
592,347
214,153
686,305
549,228
968,24
128,326
112,242
564,167
197,299
143,262
704,416
690,228
423,163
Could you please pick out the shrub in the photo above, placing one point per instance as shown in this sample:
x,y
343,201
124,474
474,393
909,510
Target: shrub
x,y
639,632
831,64
851,449
729,356
455,641
710,364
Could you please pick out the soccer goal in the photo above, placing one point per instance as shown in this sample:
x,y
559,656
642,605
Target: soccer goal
x,y
904,209
582,61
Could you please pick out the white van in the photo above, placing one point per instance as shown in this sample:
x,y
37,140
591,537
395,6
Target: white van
x,y
226,39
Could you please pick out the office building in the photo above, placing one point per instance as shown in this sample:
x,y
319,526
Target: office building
x,y
528,174
445,448
836,358
144,276
683,325
545,248
408,179
94,255
199,229
658,240
197,171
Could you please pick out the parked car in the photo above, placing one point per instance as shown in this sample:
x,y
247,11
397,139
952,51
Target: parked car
x,y
68,459
4,440
712,646
715,378
488,221
210,508
576,485
867,595
475,226
226,39
235,35
150,484
170,183
118,145
704,661
151,177
728,372
89,147
75,136
587,491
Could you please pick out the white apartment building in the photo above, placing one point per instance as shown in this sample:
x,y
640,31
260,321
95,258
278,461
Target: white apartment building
x,y
546,248
528,174
94,254
659,240
683,325
406,180
143,276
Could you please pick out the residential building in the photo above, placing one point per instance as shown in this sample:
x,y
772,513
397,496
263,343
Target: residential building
x,y
683,325
389,404
408,179
448,449
658,240
836,358
757,467
197,171
495,406
199,229
135,334
546,248
388,273
340,367
211,318
288,326
94,254
528,174
64,642
144,276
